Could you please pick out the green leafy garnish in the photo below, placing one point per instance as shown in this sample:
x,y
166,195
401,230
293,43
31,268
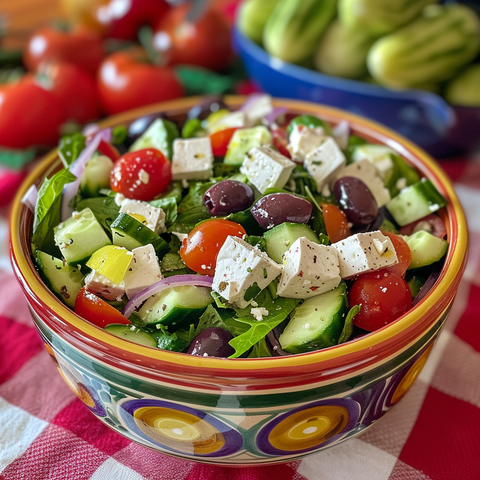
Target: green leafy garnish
x,y
119,134
104,208
70,147
348,326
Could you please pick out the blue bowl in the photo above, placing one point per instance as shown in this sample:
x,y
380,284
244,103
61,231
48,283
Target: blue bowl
x,y
423,117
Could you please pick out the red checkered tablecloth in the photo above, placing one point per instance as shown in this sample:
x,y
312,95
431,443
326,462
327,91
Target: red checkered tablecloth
x,y
433,433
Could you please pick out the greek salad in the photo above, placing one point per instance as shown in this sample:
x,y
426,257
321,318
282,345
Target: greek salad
x,y
236,233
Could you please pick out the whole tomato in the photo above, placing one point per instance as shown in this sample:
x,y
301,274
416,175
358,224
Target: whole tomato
x,y
126,80
204,42
80,46
30,114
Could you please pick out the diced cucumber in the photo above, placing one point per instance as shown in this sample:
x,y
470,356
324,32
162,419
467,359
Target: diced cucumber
x,y
132,334
402,175
176,306
425,248
244,140
79,236
96,175
415,202
279,239
65,281
111,261
317,322
130,233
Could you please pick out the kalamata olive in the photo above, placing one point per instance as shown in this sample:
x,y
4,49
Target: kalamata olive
x,y
210,105
356,200
276,208
228,196
212,342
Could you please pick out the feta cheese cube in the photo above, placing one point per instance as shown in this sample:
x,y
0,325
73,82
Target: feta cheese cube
x,y
367,173
239,267
309,269
267,168
325,162
365,252
379,155
303,140
259,106
143,272
103,287
152,217
192,159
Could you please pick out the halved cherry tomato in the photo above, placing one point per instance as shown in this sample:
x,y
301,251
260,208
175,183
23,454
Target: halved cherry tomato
x,y
141,175
200,249
108,150
383,296
97,311
220,140
431,223
336,222
403,252
280,140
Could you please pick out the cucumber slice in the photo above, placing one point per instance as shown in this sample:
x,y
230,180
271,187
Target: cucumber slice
x,y
132,334
63,280
415,202
316,323
176,306
96,175
244,140
426,248
280,238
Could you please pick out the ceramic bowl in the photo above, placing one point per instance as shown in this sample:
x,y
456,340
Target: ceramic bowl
x,y
425,118
243,411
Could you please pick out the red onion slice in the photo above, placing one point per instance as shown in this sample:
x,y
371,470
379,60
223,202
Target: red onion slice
x,y
175,281
341,133
30,197
251,100
277,112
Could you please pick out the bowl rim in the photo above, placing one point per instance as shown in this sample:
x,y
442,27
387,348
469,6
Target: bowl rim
x,y
88,333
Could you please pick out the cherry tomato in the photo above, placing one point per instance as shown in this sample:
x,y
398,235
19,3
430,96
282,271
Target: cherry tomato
x,y
431,223
403,252
97,311
220,140
280,140
336,222
108,150
141,175
126,80
383,296
204,42
29,114
80,46
200,249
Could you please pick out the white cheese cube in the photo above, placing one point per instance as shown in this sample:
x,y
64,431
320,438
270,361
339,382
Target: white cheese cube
x,y
309,269
103,287
237,119
152,217
365,252
325,162
267,168
303,140
259,106
239,266
379,155
192,159
143,272
367,173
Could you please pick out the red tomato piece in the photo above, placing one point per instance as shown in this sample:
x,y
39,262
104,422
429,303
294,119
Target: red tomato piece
x,y
200,249
403,252
141,175
383,296
220,141
336,222
108,150
95,310
280,140
431,223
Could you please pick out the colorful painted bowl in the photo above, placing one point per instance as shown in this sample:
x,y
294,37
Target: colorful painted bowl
x,y
243,411
425,118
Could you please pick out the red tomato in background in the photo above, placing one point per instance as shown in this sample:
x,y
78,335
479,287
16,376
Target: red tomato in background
x,y
92,308
200,249
80,46
205,42
383,296
10,181
29,114
220,140
404,254
431,223
126,80
141,175
336,222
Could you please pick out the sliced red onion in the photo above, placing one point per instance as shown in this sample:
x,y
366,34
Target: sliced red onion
x,y
30,197
77,168
175,281
92,128
277,112
251,100
426,287
341,133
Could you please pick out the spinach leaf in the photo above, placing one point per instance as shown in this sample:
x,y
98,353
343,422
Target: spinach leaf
x,y
172,264
104,208
348,326
119,134
47,210
70,147
260,350
169,207
256,241
317,223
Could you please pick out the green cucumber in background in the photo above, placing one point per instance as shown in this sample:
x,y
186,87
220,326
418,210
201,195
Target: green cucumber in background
x,y
430,49
253,16
342,51
465,88
379,17
295,27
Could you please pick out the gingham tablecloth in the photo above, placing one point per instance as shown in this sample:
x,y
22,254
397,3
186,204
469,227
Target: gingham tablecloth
x,y
433,433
